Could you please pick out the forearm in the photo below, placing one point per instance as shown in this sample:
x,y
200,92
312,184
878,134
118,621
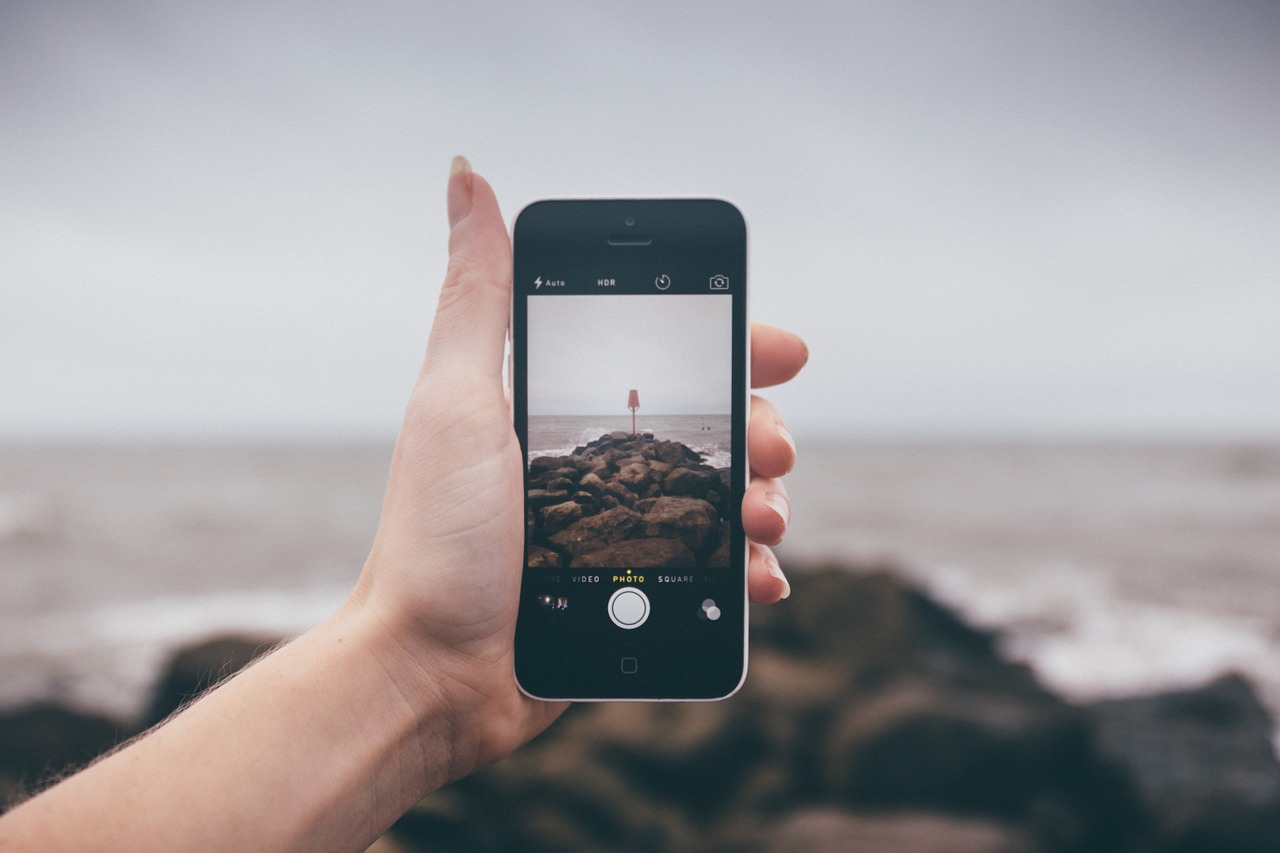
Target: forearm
x,y
319,746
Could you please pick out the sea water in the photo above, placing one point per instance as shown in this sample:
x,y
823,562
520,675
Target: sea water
x,y
1110,568
560,435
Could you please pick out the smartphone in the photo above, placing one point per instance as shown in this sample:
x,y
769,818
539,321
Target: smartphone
x,y
629,346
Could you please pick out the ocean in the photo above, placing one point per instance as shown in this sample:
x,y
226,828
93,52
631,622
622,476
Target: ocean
x,y
1112,568
559,435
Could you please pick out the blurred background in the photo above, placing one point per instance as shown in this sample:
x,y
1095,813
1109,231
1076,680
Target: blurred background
x,y
1033,249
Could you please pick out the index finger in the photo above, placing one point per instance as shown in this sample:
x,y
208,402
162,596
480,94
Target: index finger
x,y
776,355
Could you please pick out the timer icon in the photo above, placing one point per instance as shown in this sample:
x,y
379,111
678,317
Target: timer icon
x,y
662,282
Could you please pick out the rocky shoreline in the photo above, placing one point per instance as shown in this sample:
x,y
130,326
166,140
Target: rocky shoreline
x,y
873,719
627,501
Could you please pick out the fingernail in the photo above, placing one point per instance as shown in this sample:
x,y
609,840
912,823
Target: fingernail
x,y
779,504
459,201
786,436
776,571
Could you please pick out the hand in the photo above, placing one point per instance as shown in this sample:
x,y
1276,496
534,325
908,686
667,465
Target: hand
x,y
325,742
444,569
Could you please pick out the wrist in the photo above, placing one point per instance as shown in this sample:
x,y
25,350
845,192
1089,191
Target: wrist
x,y
449,706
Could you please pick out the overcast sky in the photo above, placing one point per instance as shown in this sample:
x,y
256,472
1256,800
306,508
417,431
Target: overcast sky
x,y
227,220
587,352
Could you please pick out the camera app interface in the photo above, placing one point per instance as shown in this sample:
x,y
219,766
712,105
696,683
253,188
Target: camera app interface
x,y
629,435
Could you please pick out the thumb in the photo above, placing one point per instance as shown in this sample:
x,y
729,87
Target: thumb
x,y
470,326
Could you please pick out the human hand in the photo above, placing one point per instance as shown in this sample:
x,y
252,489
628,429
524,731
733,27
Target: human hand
x,y
325,742
443,576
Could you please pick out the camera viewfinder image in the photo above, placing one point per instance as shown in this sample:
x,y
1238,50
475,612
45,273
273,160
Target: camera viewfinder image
x,y
629,432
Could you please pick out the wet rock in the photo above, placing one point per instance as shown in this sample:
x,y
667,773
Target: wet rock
x,y
1203,761
543,464
636,476
691,520
620,470
594,532
866,700
559,516
561,484
832,831
592,483
540,498
689,482
544,558
43,741
675,453
620,493
639,554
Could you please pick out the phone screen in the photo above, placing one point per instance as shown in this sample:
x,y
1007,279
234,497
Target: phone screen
x,y
629,374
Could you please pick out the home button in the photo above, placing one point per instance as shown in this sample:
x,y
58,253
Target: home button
x,y
629,666
628,607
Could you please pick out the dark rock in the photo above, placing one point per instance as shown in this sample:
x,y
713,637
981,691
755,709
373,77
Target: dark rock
x,y
636,476
691,520
594,532
543,464
873,718
689,482
639,554
559,516
1203,761
620,493
659,468
539,498
543,558
592,483
673,454
832,831
41,742
195,668
598,467
982,753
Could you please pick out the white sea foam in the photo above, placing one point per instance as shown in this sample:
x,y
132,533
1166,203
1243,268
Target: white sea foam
x,y
107,657
1088,641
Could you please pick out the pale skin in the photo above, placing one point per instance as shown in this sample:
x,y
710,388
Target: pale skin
x,y
324,743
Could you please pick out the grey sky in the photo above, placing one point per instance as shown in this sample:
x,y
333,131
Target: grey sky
x,y
587,352
227,220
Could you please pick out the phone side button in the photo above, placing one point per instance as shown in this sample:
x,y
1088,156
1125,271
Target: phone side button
x,y
629,666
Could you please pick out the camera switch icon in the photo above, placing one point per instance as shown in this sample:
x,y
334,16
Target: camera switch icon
x,y
719,282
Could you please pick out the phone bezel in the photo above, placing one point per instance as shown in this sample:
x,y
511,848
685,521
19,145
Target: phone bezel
x,y
662,223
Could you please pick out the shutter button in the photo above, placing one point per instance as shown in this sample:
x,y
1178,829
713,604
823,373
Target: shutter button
x,y
628,607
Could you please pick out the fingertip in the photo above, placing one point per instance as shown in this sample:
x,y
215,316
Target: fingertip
x,y
785,435
460,190
777,355
766,581
766,511
771,447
